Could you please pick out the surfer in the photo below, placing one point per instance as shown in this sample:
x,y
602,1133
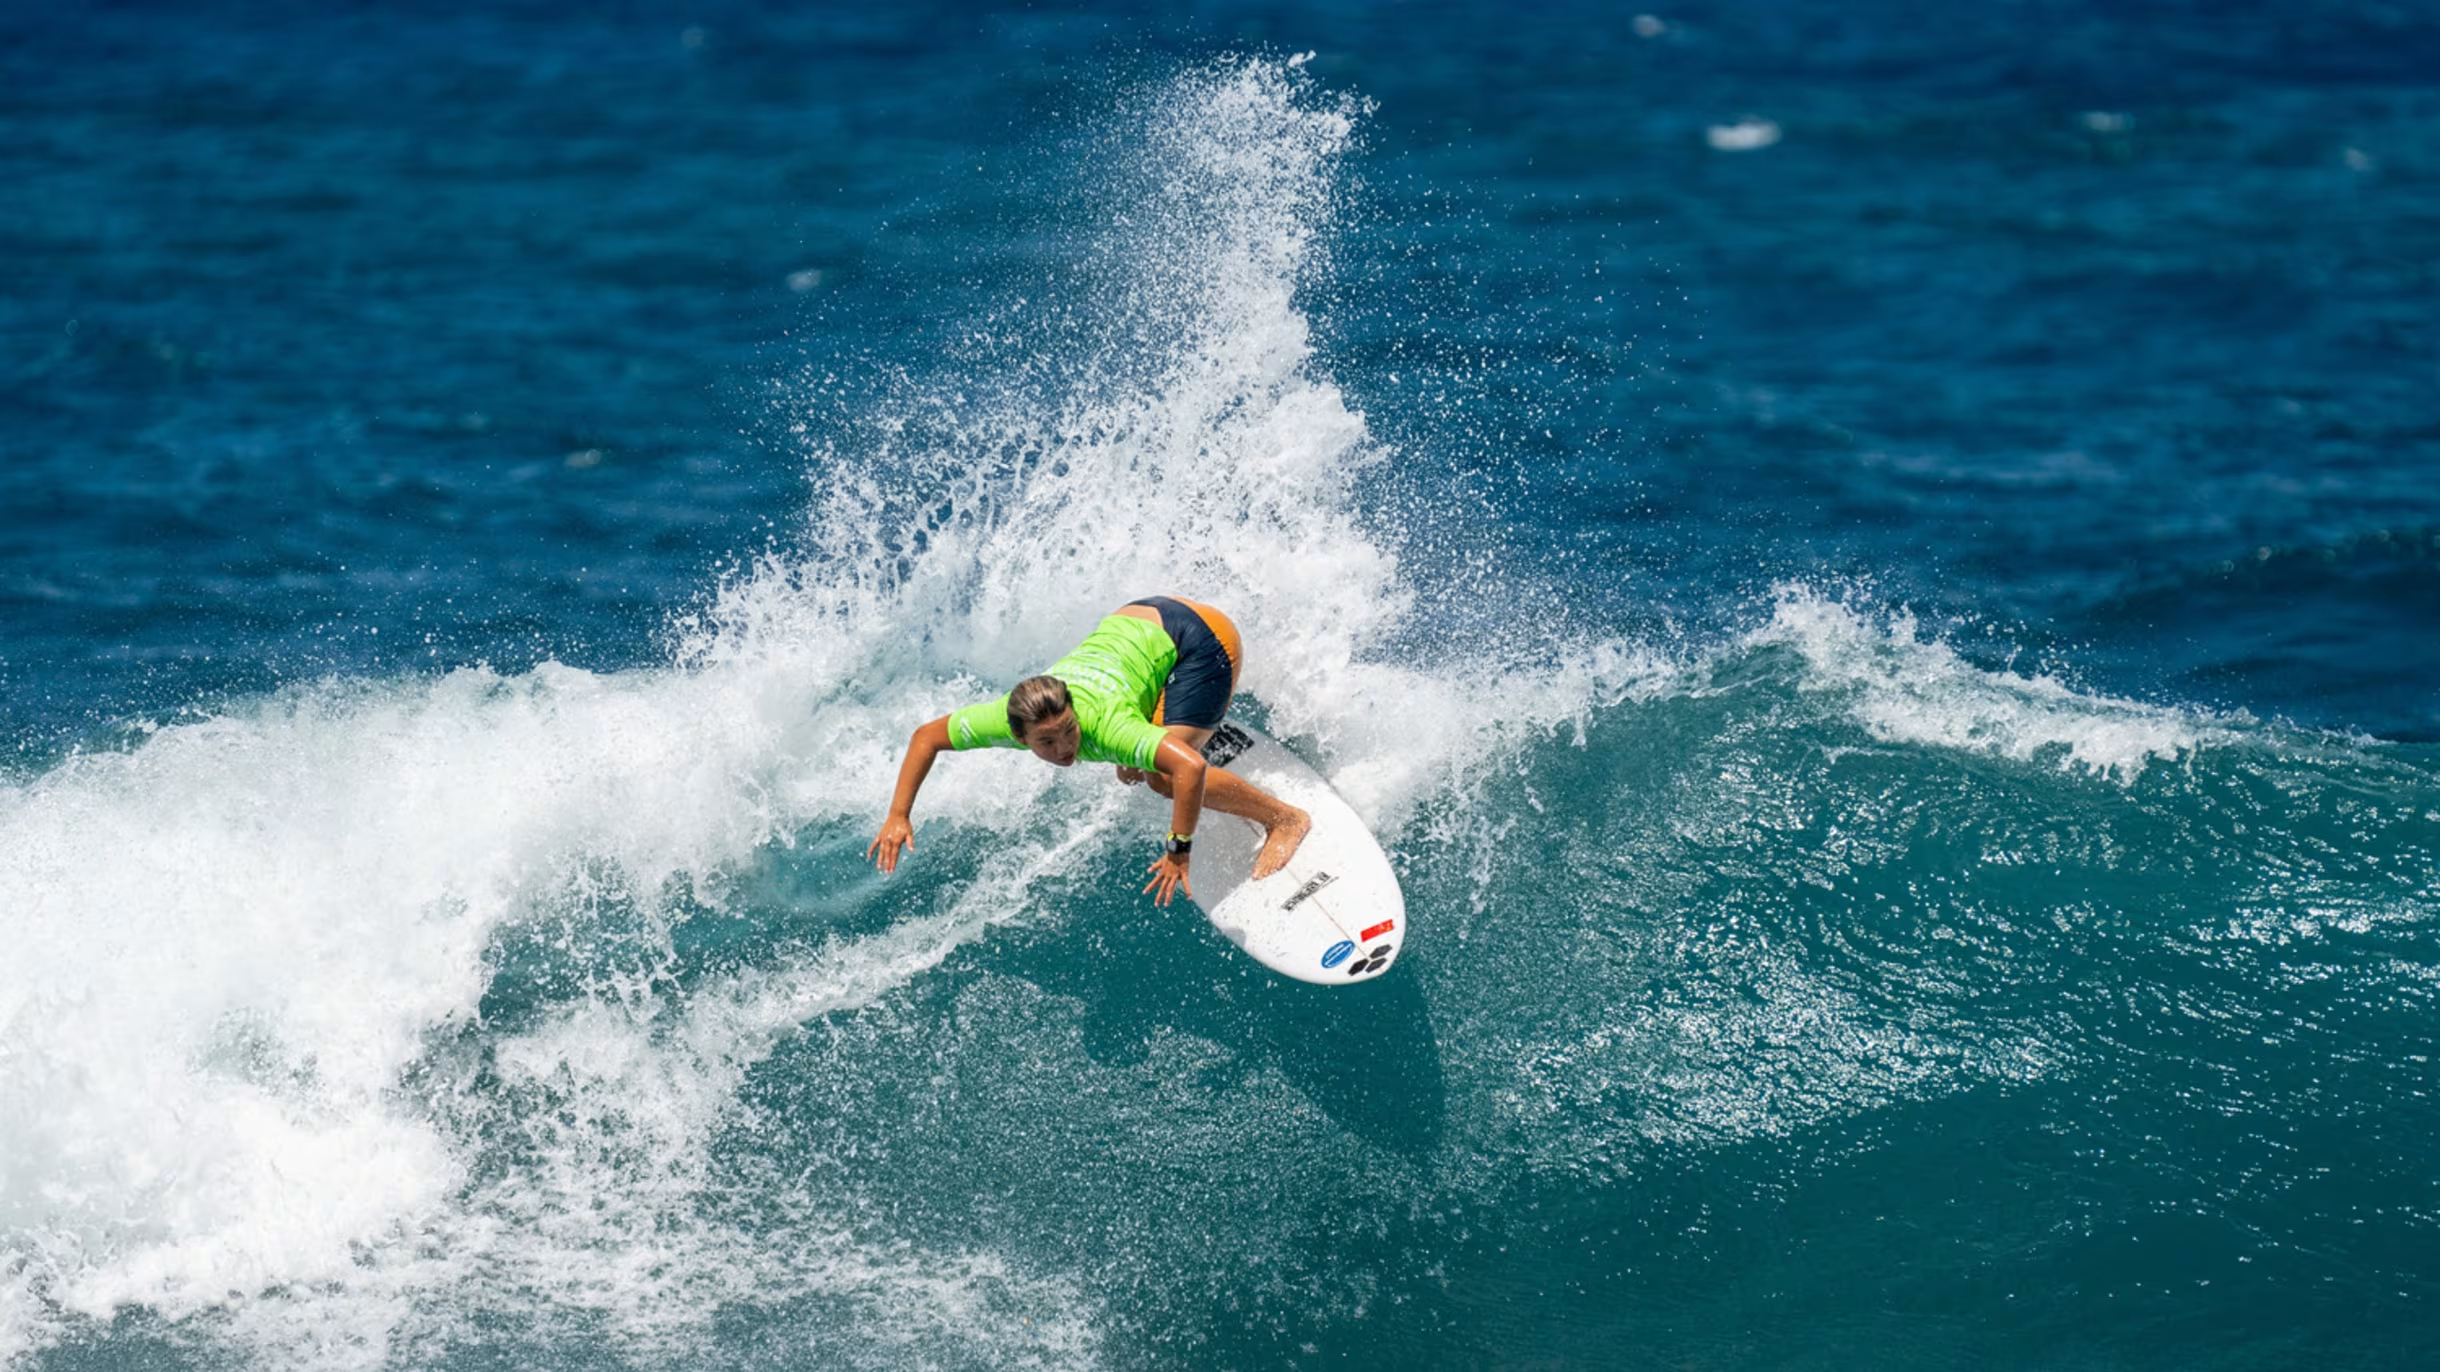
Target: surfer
x,y
1143,691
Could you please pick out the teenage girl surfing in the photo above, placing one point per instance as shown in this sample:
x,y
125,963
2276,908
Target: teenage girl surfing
x,y
1143,691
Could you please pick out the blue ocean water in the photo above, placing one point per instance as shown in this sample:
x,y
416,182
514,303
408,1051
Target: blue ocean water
x,y
1876,571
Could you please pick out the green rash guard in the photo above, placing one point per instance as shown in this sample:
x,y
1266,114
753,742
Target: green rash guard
x,y
1114,677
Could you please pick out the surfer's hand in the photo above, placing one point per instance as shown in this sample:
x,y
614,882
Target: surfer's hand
x,y
1169,876
1131,776
896,833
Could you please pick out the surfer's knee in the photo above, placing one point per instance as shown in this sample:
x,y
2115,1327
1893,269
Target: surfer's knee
x,y
1160,784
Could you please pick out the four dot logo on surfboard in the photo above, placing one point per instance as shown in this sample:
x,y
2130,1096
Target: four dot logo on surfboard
x,y
1373,961
1374,958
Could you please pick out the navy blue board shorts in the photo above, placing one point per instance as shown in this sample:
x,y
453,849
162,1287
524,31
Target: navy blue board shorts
x,y
1209,652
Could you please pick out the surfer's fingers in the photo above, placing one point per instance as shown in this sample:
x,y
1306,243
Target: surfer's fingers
x,y
884,847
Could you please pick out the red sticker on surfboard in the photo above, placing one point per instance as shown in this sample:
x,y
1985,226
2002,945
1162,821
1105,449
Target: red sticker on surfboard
x,y
1377,931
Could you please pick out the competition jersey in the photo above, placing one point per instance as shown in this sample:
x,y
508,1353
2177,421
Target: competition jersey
x,y
1114,679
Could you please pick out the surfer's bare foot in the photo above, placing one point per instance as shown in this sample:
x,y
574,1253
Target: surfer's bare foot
x,y
1280,841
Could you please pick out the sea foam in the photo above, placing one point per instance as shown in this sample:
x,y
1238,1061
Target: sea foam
x,y
1905,688
250,1088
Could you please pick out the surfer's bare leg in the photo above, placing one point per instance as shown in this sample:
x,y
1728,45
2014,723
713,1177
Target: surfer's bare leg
x,y
1283,825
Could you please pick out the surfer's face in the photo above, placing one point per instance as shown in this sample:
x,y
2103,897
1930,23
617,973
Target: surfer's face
x,y
1055,740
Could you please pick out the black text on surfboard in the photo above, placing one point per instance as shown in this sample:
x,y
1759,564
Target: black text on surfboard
x,y
1305,892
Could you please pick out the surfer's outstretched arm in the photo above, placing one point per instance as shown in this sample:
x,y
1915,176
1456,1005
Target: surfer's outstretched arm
x,y
1184,769
898,831
1283,825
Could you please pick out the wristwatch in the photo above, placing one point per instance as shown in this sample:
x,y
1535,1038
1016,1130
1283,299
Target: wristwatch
x,y
1180,845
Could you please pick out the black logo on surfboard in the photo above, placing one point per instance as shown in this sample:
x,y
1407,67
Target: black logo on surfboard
x,y
1227,744
1305,892
1374,960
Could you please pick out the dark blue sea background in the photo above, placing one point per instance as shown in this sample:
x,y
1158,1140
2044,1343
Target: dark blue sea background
x,y
1876,569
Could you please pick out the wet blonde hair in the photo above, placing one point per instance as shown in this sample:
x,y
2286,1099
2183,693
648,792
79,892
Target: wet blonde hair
x,y
1036,699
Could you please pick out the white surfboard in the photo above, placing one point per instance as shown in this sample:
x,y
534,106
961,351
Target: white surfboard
x,y
1335,915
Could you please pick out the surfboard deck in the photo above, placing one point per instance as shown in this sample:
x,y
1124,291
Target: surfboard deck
x,y
1335,915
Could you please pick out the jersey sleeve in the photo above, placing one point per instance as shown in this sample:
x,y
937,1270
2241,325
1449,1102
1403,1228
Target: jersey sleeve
x,y
1127,741
983,725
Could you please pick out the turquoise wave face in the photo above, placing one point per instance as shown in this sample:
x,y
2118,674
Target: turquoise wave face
x,y
1877,621
1739,1021
2043,1012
